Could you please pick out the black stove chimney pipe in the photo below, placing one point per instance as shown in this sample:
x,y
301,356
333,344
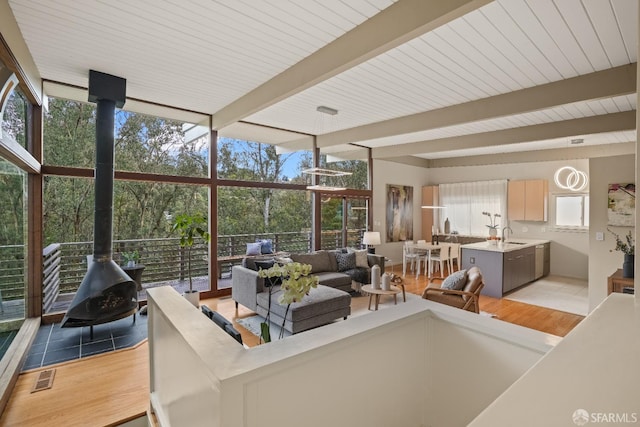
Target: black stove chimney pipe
x,y
108,92
106,293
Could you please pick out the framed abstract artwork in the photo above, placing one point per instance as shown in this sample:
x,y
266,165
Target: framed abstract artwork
x,y
399,213
621,204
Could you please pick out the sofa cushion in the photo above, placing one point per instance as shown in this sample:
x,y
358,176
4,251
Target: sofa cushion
x,y
319,300
254,248
345,261
334,279
320,261
455,281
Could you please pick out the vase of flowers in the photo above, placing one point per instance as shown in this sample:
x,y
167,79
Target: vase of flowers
x,y
297,281
627,247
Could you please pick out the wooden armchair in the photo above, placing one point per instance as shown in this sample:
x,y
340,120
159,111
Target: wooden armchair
x,y
467,298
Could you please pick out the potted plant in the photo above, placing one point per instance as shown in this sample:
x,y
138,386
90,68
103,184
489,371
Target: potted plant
x,y
493,225
297,281
191,227
627,247
130,258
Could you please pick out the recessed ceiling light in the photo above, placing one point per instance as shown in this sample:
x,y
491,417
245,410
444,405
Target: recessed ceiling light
x,y
327,110
577,141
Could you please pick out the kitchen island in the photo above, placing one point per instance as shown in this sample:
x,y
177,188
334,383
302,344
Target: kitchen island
x,y
507,265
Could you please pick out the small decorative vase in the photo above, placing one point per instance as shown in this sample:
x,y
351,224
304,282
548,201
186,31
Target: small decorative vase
x,y
375,276
627,266
386,282
447,226
493,232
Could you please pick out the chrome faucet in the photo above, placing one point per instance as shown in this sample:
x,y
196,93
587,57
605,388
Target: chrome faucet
x,y
507,228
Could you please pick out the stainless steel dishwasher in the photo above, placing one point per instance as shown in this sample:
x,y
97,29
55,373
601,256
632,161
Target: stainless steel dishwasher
x,y
539,261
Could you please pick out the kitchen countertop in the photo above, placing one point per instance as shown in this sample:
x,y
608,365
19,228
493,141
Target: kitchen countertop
x,y
508,246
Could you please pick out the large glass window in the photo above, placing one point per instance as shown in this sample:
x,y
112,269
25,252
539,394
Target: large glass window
x,y
465,202
14,119
246,215
142,143
13,242
143,215
258,162
572,210
358,178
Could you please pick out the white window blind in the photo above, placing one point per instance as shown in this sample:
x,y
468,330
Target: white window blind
x,y
464,203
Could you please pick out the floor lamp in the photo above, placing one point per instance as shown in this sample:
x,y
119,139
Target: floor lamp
x,y
371,238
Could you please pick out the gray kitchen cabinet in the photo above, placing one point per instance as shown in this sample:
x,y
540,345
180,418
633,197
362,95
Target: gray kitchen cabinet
x,y
502,271
518,268
490,263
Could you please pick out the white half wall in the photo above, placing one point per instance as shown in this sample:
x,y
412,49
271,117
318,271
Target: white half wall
x,y
408,365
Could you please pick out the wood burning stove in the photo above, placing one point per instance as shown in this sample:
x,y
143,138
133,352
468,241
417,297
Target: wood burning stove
x,y
106,292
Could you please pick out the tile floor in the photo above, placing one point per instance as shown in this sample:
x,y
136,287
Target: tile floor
x,y
54,344
556,292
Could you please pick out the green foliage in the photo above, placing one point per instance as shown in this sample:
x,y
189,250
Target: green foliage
x,y
297,281
143,144
131,256
627,246
189,227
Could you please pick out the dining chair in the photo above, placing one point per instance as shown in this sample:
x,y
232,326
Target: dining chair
x,y
438,259
454,255
411,256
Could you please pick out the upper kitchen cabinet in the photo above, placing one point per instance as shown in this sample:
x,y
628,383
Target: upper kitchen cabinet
x,y
527,200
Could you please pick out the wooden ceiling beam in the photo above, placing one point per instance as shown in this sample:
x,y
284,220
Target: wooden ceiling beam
x,y
602,84
567,128
395,25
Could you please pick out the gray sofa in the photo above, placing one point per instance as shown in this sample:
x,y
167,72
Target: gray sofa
x,y
331,300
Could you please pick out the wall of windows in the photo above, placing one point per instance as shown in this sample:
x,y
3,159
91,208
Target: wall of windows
x,y
162,170
13,242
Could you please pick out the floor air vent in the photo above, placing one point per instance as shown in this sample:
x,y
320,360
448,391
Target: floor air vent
x,y
44,380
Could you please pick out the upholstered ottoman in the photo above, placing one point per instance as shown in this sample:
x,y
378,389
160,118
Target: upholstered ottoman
x,y
323,305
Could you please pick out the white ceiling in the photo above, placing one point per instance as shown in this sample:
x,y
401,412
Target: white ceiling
x,y
421,79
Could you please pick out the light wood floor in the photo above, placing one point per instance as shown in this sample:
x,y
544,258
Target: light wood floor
x,y
111,388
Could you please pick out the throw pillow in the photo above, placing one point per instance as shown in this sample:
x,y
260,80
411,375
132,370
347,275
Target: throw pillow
x,y
361,258
455,281
254,248
346,261
266,246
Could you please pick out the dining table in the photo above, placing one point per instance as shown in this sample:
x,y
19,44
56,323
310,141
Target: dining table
x,y
424,249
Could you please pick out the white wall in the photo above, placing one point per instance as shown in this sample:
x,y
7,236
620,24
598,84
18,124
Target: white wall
x,y
399,174
569,250
603,260
408,365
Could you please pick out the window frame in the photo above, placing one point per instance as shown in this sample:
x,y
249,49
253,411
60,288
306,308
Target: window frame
x,y
585,209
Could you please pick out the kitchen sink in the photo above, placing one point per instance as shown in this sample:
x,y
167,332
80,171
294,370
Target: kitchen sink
x,y
514,243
